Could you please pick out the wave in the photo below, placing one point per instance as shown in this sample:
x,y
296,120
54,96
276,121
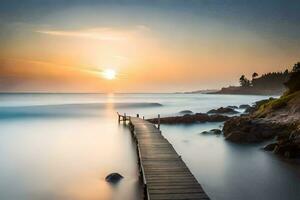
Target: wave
x,y
65,110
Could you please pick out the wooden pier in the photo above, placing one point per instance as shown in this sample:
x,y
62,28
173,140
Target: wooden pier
x,y
164,174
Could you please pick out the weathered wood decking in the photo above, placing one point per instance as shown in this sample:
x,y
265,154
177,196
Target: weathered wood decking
x,y
165,175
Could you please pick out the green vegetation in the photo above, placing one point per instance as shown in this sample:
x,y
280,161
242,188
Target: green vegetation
x,y
273,104
293,84
273,83
269,81
244,81
254,75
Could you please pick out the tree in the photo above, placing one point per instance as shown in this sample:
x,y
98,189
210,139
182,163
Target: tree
x,y
254,75
296,67
271,80
244,81
293,84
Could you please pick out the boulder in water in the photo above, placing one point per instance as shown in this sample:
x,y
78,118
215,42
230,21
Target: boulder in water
x,y
216,131
223,110
186,112
113,178
212,132
270,147
244,106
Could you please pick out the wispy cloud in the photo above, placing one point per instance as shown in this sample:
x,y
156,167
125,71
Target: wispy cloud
x,y
103,33
97,33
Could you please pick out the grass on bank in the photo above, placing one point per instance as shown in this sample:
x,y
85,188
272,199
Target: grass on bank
x,y
275,104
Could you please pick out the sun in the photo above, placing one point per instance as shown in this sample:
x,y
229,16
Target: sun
x,y
109,74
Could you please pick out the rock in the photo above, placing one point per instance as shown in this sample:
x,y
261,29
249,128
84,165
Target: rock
x,y
244,106
223,110
188,119
235,136
113,178
257,104
247,130
270,147
288,149
288,145
266,121
232,107
186,112
213,132
216,131
250,109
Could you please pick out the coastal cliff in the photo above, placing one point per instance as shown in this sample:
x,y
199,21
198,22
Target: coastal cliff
x,y
279,119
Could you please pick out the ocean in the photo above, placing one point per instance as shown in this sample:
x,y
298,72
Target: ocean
x,y
62,146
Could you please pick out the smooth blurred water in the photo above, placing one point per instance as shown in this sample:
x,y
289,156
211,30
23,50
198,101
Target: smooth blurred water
x,y
61,146
231,171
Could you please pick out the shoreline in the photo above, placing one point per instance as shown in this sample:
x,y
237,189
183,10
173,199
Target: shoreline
x,y
266,120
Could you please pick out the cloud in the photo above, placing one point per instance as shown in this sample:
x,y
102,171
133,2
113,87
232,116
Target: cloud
x,y
103,33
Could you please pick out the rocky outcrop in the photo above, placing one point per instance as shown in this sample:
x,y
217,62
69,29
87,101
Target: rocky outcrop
x,y
212,132
269,147
247,130
223,110
188,119
268,119
244,106
287,145
250,109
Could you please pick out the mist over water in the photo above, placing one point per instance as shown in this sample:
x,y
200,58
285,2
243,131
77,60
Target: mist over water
x,y
61,146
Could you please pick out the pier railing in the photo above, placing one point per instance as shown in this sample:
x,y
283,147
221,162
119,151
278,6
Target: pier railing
x,y
124,118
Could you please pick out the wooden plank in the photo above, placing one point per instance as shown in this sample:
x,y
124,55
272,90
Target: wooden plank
x,y
165,174
175,190
164,187
179,196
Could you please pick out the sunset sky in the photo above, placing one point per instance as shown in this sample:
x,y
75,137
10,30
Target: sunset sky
x,y
143,46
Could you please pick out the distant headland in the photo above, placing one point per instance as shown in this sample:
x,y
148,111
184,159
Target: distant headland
x,y
267,84
272,83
